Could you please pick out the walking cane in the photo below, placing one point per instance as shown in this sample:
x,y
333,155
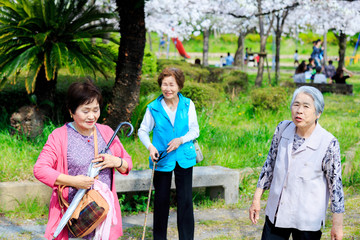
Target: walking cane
x,y
148,202
162,155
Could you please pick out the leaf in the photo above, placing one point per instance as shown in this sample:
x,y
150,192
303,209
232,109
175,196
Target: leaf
x,y
40,39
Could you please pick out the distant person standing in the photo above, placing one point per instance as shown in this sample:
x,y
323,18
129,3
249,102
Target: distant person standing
x,y
296,58
246,56
317,52
229,60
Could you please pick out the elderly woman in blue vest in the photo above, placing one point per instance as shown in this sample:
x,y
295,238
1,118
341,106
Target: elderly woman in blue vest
x,y
302,171
172,118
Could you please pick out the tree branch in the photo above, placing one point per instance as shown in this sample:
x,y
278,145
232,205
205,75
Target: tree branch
x,y
266,13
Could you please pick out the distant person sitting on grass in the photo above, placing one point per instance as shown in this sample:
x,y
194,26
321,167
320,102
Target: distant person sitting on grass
x,y
319,77
229,60
302,172
299,76
339,77
330,71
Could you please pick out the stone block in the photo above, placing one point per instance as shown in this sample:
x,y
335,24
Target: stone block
x,y
13,193
220,181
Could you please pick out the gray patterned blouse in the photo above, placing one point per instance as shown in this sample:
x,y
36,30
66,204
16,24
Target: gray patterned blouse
x,y
331,166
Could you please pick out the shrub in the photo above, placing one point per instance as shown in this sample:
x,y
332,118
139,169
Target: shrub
x,y
148,86
192,72
200,94
235,82
228,38
149,66
269,98
139,111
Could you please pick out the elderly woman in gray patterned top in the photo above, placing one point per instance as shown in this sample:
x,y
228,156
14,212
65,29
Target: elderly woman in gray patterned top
x,y
302,171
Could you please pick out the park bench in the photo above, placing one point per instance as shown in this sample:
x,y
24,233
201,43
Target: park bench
x,y
346,89
219,181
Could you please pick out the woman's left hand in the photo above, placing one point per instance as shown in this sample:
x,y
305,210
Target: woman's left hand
x,y
107,161
174,144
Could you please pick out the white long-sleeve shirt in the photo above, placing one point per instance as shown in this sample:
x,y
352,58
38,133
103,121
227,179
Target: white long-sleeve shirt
x,y
148,124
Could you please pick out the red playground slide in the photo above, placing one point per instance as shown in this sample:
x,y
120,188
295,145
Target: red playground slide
x,y
179,46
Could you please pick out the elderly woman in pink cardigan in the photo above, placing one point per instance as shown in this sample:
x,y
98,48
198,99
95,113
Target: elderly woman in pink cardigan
x,y
69,151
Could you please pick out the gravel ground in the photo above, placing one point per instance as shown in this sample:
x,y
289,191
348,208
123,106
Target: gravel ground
x,y
214,224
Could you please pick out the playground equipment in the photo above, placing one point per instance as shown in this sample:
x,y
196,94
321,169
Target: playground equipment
x,y
179,46
355,57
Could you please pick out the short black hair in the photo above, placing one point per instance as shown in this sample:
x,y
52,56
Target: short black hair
x,y
80,93
318,69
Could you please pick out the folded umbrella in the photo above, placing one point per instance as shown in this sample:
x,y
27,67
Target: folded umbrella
x,y
92,172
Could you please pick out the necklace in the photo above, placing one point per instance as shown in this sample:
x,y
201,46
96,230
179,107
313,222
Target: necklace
x,y
172,105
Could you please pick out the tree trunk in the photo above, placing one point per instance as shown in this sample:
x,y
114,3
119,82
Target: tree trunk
x,y
206,47
45,93
278,33
325,49
150,41
342,48
126,91
239,55
260,71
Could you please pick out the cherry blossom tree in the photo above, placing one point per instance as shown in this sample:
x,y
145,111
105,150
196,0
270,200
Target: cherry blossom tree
x,y
341,17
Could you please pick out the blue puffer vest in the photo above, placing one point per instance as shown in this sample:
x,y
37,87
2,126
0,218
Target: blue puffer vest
x,y
164,132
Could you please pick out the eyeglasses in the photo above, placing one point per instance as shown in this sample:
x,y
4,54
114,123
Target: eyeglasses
x,y
161,155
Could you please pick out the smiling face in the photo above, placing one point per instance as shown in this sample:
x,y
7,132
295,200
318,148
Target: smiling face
x,y
169,88
85,117
303,113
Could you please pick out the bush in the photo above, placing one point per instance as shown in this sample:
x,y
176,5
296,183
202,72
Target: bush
x,y
235,82
149,66
228,38
192,72
268,98
200,94
148,86
140,109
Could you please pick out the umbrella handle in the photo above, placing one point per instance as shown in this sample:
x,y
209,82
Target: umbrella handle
x,y
116,131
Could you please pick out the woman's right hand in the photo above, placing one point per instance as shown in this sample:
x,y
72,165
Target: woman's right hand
x,y
84,182
154,154
254,212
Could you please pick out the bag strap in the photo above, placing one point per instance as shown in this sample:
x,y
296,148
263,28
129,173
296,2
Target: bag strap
x,y
62,202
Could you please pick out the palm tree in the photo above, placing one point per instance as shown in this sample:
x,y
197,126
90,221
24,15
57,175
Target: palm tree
x,y
39,37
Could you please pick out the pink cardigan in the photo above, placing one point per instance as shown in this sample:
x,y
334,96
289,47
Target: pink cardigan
x,y
52,162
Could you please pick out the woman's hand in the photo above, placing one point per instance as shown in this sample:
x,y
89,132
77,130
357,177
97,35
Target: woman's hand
x,y
254,212
174,144
337,227
154,154
81,181
105,160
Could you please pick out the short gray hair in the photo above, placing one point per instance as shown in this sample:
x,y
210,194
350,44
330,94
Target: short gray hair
x,y
315,94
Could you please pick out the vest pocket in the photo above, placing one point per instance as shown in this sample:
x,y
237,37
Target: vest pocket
x,y
189,151
309,171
